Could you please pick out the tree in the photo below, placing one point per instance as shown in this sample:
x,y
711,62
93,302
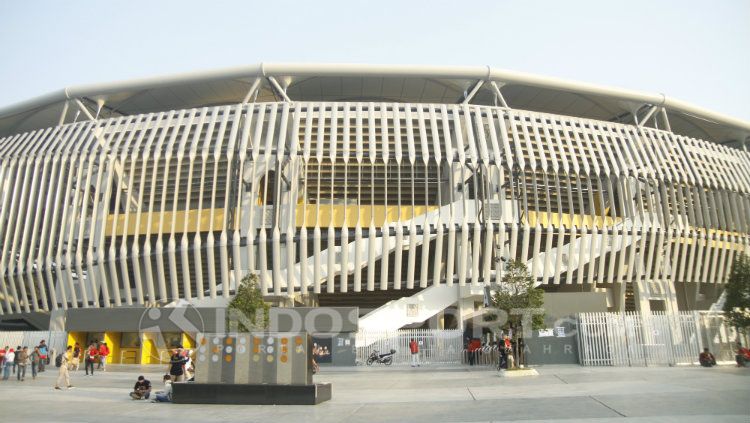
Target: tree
x,y
517,297
737,305
247,311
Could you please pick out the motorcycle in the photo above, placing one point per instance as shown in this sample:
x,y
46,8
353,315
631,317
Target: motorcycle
x,y
376,357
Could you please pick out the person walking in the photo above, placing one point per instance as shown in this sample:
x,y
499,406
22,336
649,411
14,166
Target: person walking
x,y
75,360
17,359
35,358
10,358
3,351
23,359
62,364
414,348
91,354
103,353
43,351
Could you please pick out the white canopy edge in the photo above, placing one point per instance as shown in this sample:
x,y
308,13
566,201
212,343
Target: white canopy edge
x,y
280,70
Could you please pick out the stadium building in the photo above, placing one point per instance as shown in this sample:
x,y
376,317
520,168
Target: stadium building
x,y
401,190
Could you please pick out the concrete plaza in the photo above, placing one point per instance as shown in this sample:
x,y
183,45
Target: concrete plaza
x,y
425,394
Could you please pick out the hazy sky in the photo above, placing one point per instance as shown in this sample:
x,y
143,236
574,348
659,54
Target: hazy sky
x,y
690,50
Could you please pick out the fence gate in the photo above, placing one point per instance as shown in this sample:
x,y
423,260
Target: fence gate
x,y
435,345
656,338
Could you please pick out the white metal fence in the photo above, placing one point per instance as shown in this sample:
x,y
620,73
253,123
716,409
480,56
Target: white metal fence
x,y
656,338
56,340
435,346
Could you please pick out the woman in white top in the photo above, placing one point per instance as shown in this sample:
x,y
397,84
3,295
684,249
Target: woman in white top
x,y
10,358
166,394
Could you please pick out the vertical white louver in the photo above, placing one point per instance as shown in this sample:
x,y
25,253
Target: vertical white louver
x,y
182,204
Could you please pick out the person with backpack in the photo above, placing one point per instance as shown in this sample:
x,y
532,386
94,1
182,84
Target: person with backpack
x,y
17,359
103,353
91,355
43,351
61,362
23,359
35,358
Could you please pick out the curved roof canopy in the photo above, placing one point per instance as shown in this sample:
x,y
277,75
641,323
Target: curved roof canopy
x,y
379,83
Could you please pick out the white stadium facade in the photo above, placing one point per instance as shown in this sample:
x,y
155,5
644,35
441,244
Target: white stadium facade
x,y
358,185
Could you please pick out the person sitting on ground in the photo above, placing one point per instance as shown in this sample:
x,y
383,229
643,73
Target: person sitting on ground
x,y
743,356
166,394
707,359
142,389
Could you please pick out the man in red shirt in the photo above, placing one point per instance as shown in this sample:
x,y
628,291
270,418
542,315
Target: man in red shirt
x,y
474,346
91,354
414,348
103,354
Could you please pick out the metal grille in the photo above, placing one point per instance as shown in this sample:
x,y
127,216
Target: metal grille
x,y
657,338
436,346
55,340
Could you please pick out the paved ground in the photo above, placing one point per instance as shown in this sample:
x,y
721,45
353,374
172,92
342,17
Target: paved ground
x,y
447,394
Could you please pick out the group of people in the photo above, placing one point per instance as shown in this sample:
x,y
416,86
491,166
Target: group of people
x,y
474,348
742,357
95,354
16,360
318,352
180,370
142,390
